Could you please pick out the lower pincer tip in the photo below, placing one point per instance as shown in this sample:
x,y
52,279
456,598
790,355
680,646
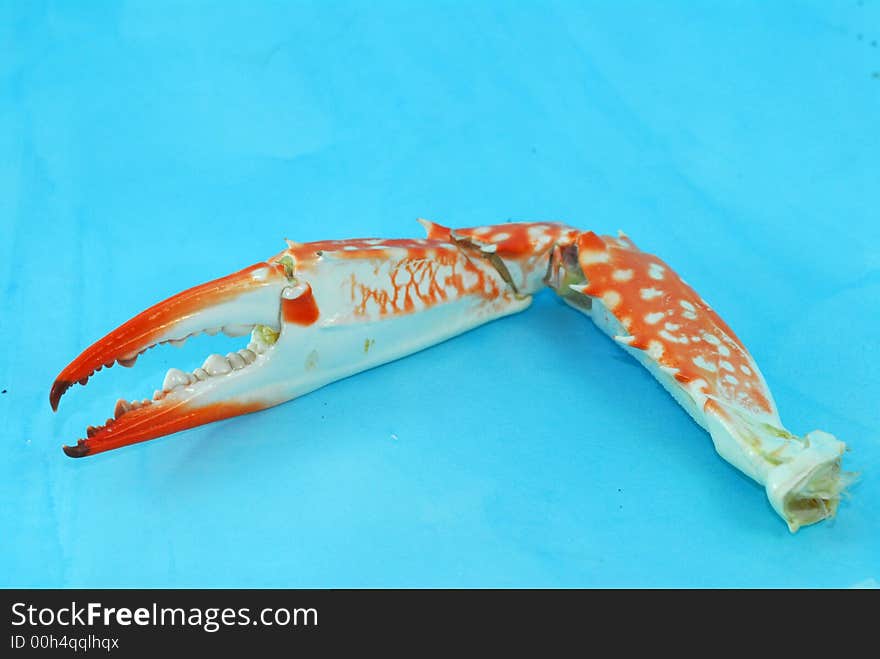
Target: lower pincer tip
x,y
78,451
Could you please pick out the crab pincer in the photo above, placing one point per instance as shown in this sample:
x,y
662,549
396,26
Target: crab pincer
x,y
316,312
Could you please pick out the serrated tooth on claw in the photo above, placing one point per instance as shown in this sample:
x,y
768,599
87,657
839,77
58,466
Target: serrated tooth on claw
x,y
249,356
200,374
237,330
122,406
174,378
213,331
235,360
217,365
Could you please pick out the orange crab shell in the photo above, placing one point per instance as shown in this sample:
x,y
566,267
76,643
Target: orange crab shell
x,y
665,317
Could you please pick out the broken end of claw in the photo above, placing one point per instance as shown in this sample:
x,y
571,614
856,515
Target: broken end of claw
x,y
78,451
58,389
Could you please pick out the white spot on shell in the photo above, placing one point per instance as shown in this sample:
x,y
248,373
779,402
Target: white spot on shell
x,y
650,293
654,317
655,349
655,271
710,338
622,275
541,242
726,365
690,315
501,236
589,257
723,350
537,231
673,339
687,305
706,366
611,299
745,369
672,326
731,379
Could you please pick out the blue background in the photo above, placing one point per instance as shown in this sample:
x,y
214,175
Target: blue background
x,y
150,146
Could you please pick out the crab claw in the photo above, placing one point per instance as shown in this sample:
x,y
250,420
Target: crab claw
x,y
317,312
234,304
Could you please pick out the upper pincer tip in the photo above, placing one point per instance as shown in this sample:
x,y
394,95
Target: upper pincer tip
x,y
58,389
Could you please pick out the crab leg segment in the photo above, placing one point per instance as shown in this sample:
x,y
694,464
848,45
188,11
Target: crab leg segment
x,y
641,302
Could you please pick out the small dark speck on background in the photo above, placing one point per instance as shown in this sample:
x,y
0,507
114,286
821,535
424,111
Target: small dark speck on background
x,y
875,75
4,391
859,37
874,44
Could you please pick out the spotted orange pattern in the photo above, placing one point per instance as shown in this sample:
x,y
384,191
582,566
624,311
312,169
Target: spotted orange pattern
x,y
668,319
412,274
524,247
518,240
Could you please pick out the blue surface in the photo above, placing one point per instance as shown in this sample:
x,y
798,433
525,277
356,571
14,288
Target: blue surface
x,y
148,147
